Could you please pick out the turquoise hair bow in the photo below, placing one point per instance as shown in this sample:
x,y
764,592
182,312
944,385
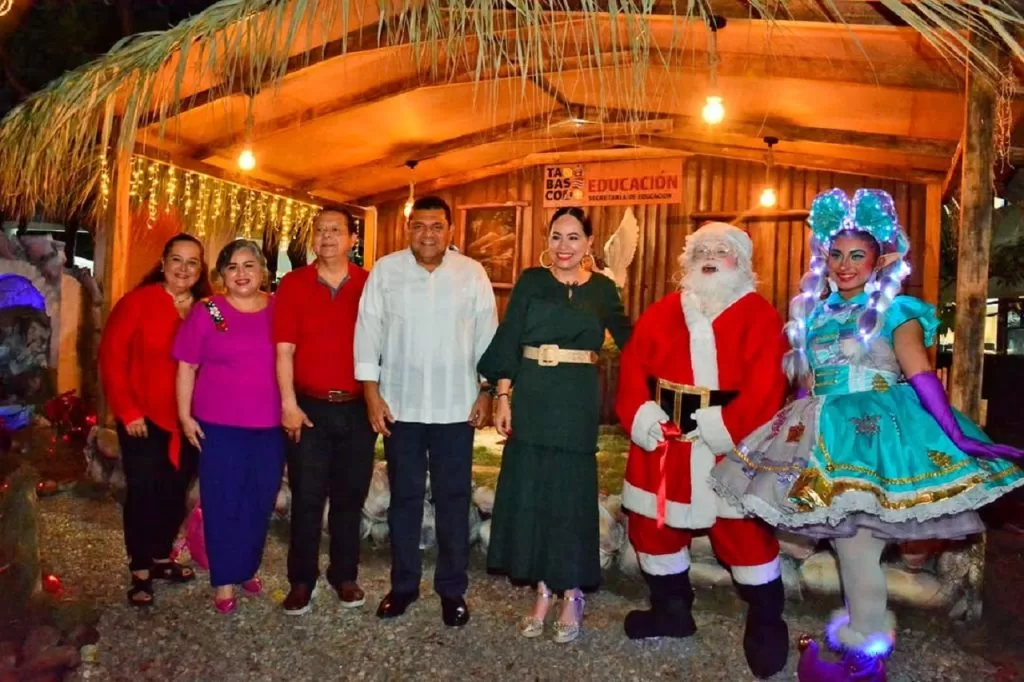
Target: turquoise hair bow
x,y
870,210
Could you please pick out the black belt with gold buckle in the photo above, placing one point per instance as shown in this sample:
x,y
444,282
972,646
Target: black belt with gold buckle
x,y
680,401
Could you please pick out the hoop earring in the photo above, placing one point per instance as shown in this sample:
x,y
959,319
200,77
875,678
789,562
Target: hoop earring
x,y
550,264
588,266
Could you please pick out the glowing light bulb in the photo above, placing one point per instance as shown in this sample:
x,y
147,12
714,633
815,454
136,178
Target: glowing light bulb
x,y
407,209
247,160
768,198
713,111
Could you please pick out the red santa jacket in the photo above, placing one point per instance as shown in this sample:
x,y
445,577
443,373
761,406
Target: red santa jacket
x,y
739,350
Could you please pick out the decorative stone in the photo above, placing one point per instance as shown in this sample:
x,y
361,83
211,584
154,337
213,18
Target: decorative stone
x,y
378,499
629,562
613,503
379,533
82,635
485,535
19,541
483,497
8,656
107,443
474,523
700,549
39,639
820,573
709,575
919,589
791,578
54,659
428,532
796,546
612,536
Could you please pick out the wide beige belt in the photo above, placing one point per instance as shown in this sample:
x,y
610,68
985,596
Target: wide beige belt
x,y
550,355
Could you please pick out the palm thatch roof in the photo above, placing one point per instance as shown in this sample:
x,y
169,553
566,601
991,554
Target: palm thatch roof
x,y
506,82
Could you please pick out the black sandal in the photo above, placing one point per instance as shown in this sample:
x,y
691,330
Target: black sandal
x,y
172,571
141,586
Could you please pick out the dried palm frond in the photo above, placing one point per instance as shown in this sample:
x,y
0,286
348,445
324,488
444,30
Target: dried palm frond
x,y
55,145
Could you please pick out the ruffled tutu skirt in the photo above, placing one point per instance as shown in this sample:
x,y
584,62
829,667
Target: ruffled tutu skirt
x,y
825,466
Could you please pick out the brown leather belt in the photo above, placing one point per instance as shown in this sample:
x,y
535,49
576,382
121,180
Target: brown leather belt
x,y
334,396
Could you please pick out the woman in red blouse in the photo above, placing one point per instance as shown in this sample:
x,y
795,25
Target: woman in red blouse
x,y
138,374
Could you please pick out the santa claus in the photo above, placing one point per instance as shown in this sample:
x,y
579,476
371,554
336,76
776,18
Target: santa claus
x,y
702,370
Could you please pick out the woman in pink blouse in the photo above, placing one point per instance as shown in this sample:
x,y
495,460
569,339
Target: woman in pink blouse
x,y
230,408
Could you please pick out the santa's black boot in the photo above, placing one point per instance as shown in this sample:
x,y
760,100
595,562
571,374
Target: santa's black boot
x,y
766,637
670,614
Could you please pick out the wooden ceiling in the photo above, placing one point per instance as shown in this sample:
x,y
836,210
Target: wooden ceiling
x,y
865,96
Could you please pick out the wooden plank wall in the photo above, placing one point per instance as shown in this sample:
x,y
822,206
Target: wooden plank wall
x,y
711,184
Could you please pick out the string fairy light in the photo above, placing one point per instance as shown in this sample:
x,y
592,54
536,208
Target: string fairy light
x,y
104,180
206,204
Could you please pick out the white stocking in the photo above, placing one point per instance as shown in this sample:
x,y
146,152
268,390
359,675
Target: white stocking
x,y
864,589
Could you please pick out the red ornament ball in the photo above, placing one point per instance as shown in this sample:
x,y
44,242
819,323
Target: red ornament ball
x,y
52,584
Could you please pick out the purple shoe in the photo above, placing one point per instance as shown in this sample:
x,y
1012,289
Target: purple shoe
x,y
853,667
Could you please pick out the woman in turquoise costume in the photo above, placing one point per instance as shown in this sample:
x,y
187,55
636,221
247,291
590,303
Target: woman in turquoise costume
x,y
870,452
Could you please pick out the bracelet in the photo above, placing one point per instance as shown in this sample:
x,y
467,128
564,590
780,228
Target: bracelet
x,y
502,395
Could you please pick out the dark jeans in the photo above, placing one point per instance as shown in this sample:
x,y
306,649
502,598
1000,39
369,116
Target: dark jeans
x,y
155,492
451,470
332,461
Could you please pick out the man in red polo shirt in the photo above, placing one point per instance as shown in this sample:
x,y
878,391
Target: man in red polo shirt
x,y
323,412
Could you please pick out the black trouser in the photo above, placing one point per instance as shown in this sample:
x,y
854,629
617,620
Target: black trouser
x,y
333,460
451,471
155,493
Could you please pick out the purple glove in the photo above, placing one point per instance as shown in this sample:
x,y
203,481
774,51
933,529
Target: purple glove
x,y
802,393
933,398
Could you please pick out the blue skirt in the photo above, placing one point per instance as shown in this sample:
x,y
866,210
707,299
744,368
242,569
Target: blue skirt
x,y
240,471
827,465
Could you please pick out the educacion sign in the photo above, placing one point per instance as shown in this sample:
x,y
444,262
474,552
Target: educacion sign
x,y
618,183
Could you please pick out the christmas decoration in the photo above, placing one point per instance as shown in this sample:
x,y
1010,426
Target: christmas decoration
x,y
72,418
204,202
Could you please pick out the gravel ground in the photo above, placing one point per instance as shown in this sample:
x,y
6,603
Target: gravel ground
x,y
183,638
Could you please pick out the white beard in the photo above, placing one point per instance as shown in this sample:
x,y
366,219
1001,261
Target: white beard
x,y
715,292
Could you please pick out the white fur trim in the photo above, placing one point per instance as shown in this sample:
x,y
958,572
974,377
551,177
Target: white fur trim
x,y
713,430
665,564
703,500
703,352
762,574
646,423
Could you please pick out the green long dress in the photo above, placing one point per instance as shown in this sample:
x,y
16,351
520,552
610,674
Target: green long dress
x,y
545,522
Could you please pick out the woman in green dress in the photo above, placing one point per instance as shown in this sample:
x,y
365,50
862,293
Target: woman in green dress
x,y
545,525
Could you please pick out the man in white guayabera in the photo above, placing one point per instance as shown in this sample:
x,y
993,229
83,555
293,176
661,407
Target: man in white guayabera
x,y
426,316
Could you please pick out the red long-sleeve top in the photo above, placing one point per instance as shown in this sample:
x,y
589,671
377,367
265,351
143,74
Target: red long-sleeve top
x,y
136,365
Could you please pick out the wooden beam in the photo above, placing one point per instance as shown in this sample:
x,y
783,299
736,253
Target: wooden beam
x,y
787,132
426,152
855,12
359,40
593,149
287,122
755,214
975,237
795,160
956,168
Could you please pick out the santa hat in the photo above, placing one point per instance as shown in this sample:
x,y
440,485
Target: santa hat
x,y
721,232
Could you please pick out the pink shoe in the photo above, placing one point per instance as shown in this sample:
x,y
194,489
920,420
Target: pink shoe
x,y
253,586
225,606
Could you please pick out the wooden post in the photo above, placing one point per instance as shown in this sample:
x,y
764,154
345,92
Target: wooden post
x,y
975,239
930,259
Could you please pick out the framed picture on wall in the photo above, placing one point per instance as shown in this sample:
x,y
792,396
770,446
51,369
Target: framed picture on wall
x,y
490,234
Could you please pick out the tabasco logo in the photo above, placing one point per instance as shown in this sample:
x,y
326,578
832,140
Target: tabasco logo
x,y
656,181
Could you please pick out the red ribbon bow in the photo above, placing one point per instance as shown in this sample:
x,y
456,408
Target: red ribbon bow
x,y
669,432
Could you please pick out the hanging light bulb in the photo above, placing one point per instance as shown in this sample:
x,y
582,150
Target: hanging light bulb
x,y
713,111
768,196
407,209
247,160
